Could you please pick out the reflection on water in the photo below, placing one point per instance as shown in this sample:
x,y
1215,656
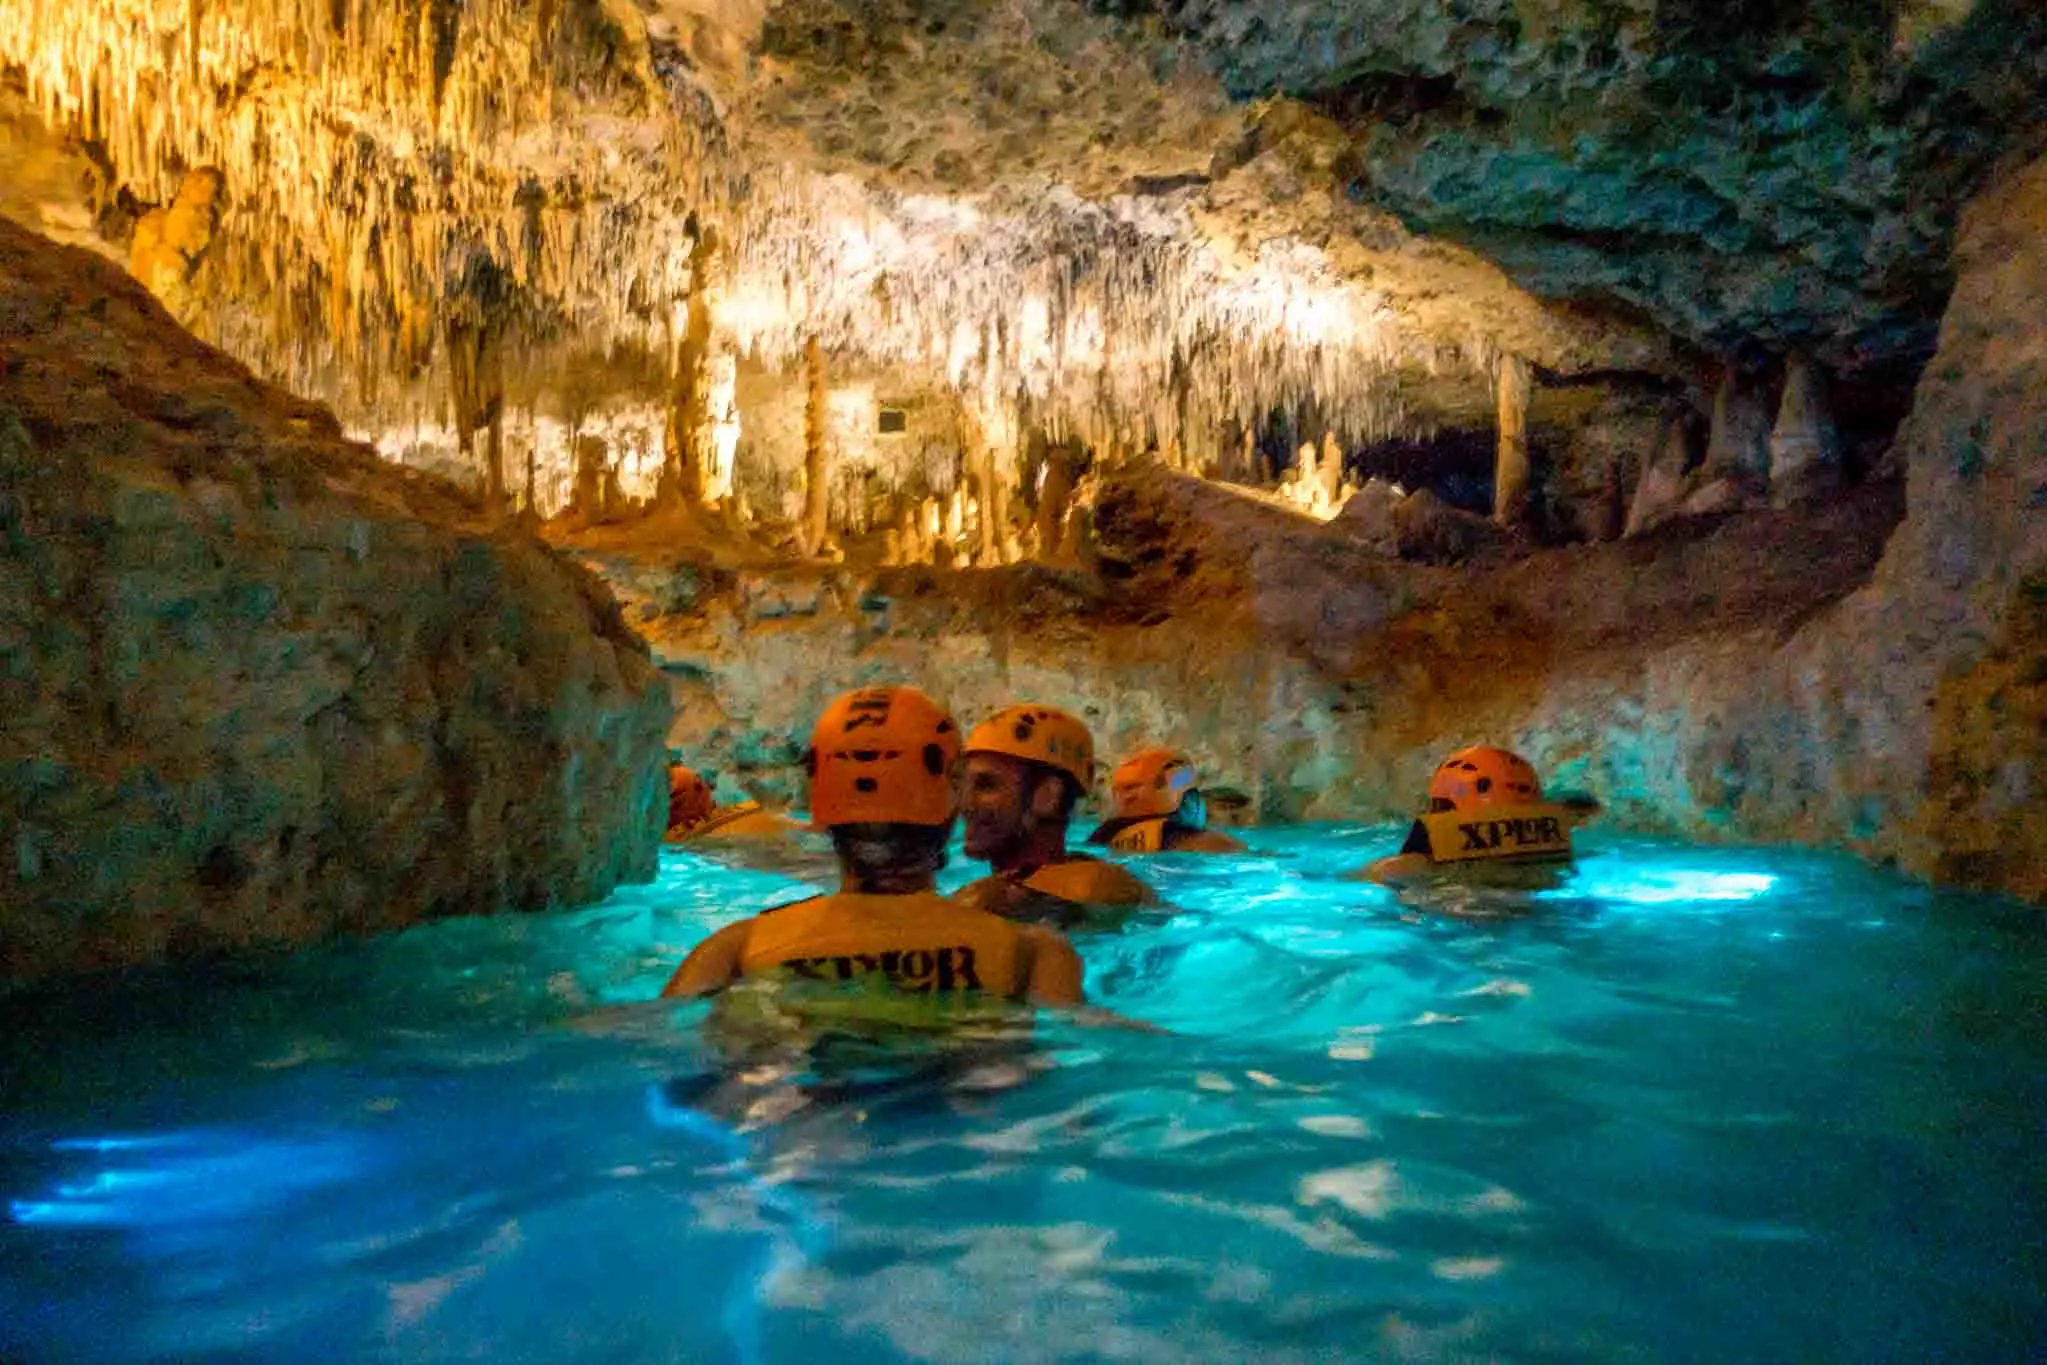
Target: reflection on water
x,y
1690,1105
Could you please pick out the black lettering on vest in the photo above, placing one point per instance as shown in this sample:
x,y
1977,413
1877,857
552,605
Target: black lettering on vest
x,y
916,970
1474,838
1552,831
956,969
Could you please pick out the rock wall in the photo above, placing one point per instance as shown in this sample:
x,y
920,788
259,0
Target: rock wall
x,y
258,687
1824,675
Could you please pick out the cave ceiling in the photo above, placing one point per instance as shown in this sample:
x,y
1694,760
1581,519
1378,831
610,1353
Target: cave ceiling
x,y
1146,214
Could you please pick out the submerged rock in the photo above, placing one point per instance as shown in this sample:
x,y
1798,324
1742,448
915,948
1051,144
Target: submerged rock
x,y
258,686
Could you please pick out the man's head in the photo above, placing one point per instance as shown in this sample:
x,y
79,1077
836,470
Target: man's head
x,y
1159,783
883,767
1026,768
689,799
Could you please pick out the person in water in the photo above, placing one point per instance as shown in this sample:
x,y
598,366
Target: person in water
x,y
694,815
883,767
1486,810
1160,808
1027,767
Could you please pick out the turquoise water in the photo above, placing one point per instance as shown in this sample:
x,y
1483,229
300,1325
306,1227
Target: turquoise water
x,y
1695,1105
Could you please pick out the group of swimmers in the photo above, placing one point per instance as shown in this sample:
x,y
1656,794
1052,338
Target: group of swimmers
x,y
890,773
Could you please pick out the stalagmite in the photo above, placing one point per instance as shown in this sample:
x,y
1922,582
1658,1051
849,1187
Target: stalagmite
x,y
724,417
1805,450
1054,498
1510,464
1666,475
1738,446
816,531
1332,472
476,395
690,451
1613,508
588,499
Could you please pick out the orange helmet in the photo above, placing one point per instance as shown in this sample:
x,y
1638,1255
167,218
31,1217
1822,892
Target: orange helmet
x,y
884,755
1483,776
1039,734
1151,782
689,798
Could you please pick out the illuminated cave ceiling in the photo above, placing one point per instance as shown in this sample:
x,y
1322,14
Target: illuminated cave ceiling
x,y
1144,218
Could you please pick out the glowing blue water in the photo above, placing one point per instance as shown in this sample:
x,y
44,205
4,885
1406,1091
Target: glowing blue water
x,y
1692,1106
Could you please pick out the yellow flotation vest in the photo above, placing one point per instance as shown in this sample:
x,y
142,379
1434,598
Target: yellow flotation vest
x,y
1533,833
917,944
745,820
1140,836
1089,881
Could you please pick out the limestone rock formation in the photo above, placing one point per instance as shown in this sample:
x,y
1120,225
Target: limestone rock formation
x,y
171,241
1827,674
1805,448
1132,222
258,687
1967,575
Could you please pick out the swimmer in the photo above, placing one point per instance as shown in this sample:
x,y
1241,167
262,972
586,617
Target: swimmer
x,y
1027,767
1160,808
1486,810
882,767
693,817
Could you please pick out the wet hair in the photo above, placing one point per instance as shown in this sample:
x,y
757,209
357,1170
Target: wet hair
x,y
871,848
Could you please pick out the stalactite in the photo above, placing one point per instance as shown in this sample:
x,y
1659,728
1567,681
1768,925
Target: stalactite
x,y
816,468
1510,465
358,152
368,142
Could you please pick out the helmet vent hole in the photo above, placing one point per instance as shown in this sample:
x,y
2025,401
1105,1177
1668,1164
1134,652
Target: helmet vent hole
x,y
934,759
866,784
1485,784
